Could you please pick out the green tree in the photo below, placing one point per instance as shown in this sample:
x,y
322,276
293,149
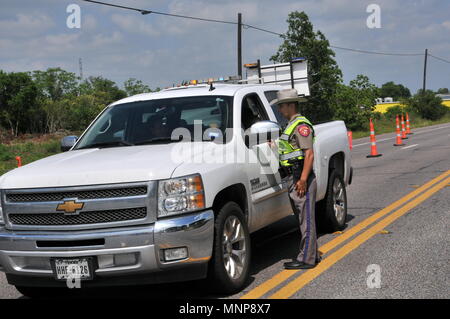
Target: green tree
x,y
427,105
354,103
56,113
396,91
107,89
133,87
301,40
56,83
83,109
443,91
46,101
18,95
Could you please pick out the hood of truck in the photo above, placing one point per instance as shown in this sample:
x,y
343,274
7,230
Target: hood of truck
x,y
95,166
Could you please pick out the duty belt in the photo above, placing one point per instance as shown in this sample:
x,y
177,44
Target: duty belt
x,y
295,154
295,168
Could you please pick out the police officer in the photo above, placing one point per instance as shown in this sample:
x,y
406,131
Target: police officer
x,y
296,158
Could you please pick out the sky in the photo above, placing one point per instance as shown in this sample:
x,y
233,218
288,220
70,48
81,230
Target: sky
x,y
161,50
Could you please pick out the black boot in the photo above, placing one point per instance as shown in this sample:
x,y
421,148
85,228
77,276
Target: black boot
x,y
297,265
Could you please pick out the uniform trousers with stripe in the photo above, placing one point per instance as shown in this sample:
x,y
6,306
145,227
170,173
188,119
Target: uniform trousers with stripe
x,y
304,209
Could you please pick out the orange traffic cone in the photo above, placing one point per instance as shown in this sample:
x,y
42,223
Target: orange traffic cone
x,y
19,161
408,127
404,137
350,139
373,142
399,141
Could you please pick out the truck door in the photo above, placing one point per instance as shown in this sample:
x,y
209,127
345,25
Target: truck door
x,y
268,196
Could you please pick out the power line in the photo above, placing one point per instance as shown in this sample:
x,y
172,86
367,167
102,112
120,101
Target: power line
x,y
438,58
119,6
145,12
246,26
375,52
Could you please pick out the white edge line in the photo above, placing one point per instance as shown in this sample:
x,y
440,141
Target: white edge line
x,y
404,148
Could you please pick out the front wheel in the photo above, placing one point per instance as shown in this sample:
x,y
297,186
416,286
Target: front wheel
x,y
230,264
332,213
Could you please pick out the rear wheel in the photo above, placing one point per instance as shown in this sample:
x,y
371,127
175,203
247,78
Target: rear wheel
x,y
230,264
332,212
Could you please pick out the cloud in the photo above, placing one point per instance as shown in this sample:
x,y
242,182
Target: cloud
x,y
104,39
89,22
61,40
133,24
25,25
446,24
162,50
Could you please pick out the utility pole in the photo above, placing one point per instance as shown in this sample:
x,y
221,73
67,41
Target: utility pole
x,y
239,45
425,72
80,64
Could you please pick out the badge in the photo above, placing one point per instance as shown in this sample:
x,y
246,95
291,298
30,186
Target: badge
x,y
304,130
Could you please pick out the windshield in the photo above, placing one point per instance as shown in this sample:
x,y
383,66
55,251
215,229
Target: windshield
x,y
154,121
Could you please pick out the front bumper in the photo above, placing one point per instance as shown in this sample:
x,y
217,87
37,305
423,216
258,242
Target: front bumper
x,y
124,255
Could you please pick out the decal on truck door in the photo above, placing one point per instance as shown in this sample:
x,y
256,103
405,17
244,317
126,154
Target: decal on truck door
x,y
257,185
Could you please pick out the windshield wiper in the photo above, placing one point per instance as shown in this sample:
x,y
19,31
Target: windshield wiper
x,y
106,144
157,139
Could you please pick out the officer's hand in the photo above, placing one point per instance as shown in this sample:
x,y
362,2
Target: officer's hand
x,y
300,187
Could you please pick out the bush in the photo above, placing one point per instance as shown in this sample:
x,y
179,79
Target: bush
x,y
52,147
393,111
5,155
427,105
83,110
28,147
354,103
377,115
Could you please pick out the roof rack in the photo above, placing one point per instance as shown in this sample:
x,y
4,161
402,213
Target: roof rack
x,y
293,74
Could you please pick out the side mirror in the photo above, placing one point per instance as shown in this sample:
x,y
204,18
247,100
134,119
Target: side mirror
x,y
67,142
262,132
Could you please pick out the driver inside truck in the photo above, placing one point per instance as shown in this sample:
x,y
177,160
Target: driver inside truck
x,y
157,127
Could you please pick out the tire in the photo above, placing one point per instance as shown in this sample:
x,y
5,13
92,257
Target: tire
x,y
222,262
332,210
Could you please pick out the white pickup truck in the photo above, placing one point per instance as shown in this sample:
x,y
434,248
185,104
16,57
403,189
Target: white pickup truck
x,y
128,203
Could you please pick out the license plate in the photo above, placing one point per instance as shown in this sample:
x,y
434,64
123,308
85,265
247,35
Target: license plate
x,y
73,268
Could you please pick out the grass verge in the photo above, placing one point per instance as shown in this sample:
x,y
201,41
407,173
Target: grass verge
x,y
29,151
385,125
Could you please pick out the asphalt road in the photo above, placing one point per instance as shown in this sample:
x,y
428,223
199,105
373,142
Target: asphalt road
x,y
396,228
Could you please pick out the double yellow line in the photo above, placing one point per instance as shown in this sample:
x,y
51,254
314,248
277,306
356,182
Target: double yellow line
x,y
415,197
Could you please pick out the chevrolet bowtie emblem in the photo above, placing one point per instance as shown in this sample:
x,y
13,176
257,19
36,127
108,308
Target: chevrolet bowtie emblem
x,y
69,207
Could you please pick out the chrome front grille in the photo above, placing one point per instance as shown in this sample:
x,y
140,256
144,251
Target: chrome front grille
x,y
103,206
84,218
91,194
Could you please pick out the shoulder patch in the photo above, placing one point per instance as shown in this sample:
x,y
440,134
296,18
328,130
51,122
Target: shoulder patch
x,y
304,130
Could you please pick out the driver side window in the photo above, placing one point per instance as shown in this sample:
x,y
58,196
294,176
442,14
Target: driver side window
x,y
252,111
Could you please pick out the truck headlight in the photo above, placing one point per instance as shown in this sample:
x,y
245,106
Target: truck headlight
x,y
180,195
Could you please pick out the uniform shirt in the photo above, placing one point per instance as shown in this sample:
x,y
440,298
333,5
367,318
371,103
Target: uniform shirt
x,y
302,136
